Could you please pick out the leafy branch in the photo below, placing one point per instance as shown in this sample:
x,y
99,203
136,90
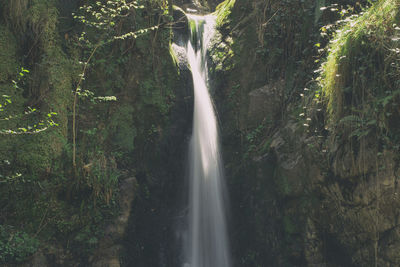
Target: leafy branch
x,y
38,127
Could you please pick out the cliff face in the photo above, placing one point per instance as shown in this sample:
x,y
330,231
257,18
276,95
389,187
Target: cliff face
x,y
314,180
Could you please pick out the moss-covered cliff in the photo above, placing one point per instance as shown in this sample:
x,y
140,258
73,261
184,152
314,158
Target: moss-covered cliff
x,y
48,207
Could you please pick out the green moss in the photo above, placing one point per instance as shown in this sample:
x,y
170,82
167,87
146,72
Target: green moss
x,y
61,75
284,186
16,15
16,246
43,18
288,225
8,54
35,154
122,129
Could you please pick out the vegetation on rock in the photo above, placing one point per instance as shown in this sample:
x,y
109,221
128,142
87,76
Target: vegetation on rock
x,y
308,98
41,196
297,163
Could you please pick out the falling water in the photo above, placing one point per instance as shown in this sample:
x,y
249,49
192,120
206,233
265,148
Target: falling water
x,y
208,242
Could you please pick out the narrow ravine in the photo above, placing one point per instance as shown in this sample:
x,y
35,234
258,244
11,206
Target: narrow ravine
x,y
207,244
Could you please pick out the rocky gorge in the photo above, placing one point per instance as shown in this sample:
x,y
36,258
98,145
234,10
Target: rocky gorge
x,y
307,98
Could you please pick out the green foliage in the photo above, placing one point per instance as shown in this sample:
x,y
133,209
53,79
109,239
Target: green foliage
x,y
15,246
223,11
362,59
358,83
102,15
101,176
106,19
37,127
27,123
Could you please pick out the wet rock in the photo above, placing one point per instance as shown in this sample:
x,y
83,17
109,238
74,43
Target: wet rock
x,y
180,56
265,103
181,24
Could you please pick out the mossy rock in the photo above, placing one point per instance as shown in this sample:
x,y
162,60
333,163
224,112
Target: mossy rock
x,y
8,54
223,12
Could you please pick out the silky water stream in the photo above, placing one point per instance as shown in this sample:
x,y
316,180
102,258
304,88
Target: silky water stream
x,y
207,242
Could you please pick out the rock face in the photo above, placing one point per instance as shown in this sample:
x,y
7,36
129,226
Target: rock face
x,y
304,191
181,24
110,247
324,205
265,103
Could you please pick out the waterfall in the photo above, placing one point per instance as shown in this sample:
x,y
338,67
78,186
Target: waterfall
x,y
207,244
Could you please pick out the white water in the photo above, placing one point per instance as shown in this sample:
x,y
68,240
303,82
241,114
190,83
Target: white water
x,y
208,243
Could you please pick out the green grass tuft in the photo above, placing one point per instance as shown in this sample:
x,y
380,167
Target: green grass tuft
x,y
359,67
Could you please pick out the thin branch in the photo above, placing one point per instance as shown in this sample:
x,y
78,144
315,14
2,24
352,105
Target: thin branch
x,y
74,105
